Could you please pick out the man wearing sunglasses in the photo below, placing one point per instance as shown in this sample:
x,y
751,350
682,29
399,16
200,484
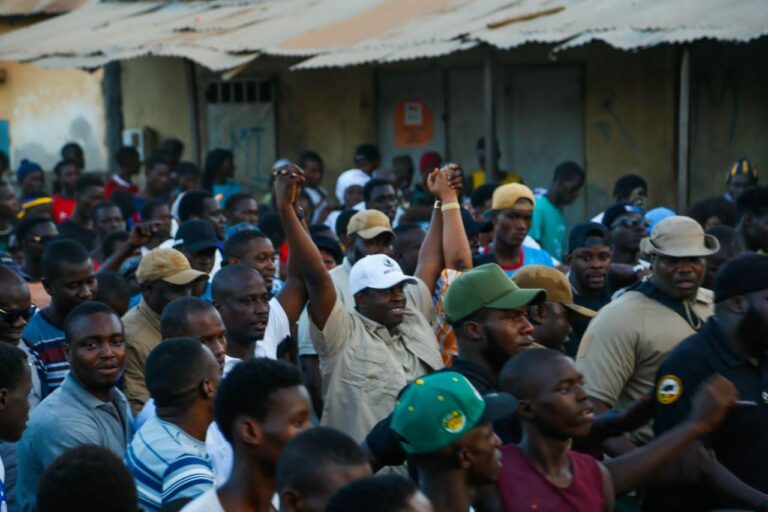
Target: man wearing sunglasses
x,y
32,235
627,227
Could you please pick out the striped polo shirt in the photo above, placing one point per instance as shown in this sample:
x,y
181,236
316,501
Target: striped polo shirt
x,y
167,464
47,341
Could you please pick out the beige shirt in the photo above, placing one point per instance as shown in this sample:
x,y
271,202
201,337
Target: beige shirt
x,y
624,346
142,332
364,366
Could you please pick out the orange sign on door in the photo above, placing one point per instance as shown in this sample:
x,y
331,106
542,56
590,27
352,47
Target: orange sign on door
x,y
414,124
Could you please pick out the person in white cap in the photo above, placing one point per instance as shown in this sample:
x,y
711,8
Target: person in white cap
x,y
624,346
367,355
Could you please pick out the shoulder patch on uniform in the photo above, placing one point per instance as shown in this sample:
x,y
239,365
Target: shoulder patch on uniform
x,y
670,388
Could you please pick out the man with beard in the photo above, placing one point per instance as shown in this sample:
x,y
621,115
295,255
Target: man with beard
x,y
626,226
732,343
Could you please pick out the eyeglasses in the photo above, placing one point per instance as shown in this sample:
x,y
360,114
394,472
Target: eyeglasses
x,y
631,222
13,315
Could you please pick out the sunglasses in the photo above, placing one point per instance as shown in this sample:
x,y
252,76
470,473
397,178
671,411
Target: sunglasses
x,y
631,222
13,315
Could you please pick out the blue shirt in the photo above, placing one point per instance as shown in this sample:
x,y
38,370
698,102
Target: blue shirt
x,y
528,255
167,464
47,342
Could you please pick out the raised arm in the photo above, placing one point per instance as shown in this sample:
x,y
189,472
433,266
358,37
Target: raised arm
x,y
140,235
293,296
306,256
457,253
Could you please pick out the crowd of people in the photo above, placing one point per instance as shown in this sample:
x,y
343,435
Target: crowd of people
x,y
420,340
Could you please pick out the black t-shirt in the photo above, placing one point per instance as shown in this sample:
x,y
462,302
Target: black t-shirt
x,y
740,442
87,237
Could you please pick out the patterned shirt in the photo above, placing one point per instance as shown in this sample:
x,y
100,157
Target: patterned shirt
x,y
47,341
167,464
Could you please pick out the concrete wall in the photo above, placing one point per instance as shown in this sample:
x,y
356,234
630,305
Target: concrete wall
x,y
155,95
729,112
47,108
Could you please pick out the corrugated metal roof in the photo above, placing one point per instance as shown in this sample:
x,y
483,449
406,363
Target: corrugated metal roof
x,y
30,7
223,34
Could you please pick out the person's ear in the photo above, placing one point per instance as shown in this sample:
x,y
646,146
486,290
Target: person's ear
x,y
537,313
47,285
526,410
473,331
463,458
3,398
208,388
290,500
68,351
249,430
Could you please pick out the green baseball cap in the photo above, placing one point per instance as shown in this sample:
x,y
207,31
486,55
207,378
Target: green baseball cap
x,y
439,409
486,286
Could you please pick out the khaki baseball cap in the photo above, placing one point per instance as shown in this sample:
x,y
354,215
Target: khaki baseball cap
x,y
167,265
679,237
369,224
554,282
506,197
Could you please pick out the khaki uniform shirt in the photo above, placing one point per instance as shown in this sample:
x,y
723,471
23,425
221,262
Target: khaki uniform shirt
x,y
364,367
142,332
625,344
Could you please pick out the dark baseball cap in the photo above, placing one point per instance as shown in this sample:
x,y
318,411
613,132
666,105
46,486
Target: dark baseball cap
x,y
617,210
196,235
472,226
582,232
744,274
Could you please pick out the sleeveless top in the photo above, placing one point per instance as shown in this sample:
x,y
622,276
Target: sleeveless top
x,y
523,488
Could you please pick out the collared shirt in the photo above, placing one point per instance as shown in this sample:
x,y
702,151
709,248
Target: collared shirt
x,y
142,332
548,227
68,417
626,343
364,366
167,464
47,341
740,442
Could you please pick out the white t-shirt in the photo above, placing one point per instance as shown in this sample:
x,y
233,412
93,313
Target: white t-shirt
x,y
206,502
278,327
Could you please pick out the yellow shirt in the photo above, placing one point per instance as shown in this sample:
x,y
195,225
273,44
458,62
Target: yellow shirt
x,y
142,333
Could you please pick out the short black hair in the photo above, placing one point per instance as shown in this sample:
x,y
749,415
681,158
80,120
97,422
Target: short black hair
x,y
27,224
110,486
237,245
125,153
173,321
625,185
187,169
112,284
305,458
88,308
103,205
404,228
307,156
248,389
520,372
372,184
729,238
482,194
228,277
753,201
387,493
148,210
232,201
125,201
318,229
173,145
271,225
109,244
193,203
342,221
568,171
155,159
368,151
71,145
63,163
713,207
65,251
173,369
13,360
213,162
87,181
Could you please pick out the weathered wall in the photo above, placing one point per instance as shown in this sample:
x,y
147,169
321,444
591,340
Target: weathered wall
x,y
729,112
47,108
155,95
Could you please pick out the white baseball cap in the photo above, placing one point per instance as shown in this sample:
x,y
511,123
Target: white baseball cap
x,y
377,271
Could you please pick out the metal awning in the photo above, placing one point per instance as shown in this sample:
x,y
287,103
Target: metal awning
x,y
39,7
226,34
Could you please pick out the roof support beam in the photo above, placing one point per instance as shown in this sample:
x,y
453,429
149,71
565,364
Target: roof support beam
x,y
489,117
683,130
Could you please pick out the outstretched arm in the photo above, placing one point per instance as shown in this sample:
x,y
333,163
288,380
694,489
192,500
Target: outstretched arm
x,y
140,235
322,294
457,253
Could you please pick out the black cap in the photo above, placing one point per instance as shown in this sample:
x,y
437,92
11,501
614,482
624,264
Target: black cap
x,y
472,226
744,274
581,232
330,245
617,210
196,235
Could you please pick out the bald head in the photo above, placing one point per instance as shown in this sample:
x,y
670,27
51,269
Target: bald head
x,y
9,277
531,371
229,279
